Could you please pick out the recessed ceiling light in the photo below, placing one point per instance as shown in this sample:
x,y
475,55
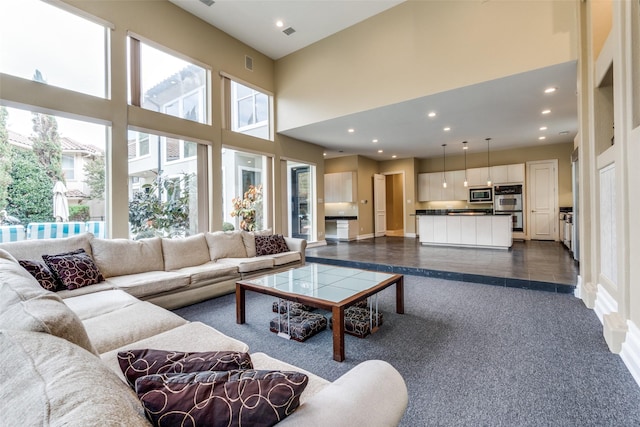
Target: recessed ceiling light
x,y
432,114
374,141
279,23
394,156
324,154
351,130
550,89
447,129
546,111
380,151
542,137
543,128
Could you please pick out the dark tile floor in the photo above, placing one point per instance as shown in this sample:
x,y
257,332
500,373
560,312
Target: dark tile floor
x,y
532,264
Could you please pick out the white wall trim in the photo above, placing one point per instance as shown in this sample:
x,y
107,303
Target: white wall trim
x,y
630,353
605,303
578,291
365,236
316,244
412,235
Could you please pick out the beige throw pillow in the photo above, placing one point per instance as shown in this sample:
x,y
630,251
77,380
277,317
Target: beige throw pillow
x,y
225,244
118,257
185,252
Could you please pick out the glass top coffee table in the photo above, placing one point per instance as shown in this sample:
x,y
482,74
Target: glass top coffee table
x,y
322,286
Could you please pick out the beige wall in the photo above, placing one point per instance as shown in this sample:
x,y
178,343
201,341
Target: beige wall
x,y
416,49
601,22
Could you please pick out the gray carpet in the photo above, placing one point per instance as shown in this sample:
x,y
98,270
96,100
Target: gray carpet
x,y
471,354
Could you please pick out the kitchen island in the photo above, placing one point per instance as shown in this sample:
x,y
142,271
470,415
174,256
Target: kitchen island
x,y
465,229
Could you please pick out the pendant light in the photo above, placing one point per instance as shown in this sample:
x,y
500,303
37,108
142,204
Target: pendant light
x,y
464,148
488,164
444,166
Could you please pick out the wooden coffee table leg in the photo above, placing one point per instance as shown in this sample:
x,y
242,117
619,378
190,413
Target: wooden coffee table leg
x,y
240,291
338,333
400,295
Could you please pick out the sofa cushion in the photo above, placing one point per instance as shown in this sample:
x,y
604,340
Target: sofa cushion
x,y
241,398
34,249
74,269
24,305
47,381
249,265
209,272
225,244
138,363
68,293
193,336
248,238
41,273
285,258
118,257
268,245
99,303
129,324
150,283
185,252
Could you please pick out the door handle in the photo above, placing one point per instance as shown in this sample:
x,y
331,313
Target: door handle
x,y
533,211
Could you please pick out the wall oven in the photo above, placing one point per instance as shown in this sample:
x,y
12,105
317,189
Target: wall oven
x,y
481,195
508,201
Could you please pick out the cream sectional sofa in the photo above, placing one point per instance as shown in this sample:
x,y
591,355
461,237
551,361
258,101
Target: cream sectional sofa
x,y
168,272
58,360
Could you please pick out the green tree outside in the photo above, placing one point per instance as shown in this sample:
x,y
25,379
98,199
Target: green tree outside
x,y
5,158
29,195
94,176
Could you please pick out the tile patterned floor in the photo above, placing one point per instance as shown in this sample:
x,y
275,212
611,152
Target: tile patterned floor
x,y
532,264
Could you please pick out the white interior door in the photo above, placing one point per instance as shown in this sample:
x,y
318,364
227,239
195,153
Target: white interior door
x,y
542,182
380,204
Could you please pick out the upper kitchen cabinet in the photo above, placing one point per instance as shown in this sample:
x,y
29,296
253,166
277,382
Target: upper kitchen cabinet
x,y
340,187
477,177
424,193
508,174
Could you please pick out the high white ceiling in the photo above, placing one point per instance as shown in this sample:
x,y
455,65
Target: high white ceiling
x,y
508,110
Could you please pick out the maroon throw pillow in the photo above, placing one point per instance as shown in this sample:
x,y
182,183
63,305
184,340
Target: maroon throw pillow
x,y
270,245
74,269
137,363
41,272
233,398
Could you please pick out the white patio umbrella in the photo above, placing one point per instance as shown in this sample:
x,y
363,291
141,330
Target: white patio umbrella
x,y
60,203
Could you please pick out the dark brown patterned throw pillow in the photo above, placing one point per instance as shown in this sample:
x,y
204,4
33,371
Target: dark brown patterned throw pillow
x,y
233,398
138,363
41,272
74,269
270,245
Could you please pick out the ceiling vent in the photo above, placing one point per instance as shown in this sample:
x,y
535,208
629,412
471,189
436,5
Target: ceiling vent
x,y
289,31
207,2
248,63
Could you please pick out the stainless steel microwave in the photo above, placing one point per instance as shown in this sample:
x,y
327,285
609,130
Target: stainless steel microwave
x,y
481,195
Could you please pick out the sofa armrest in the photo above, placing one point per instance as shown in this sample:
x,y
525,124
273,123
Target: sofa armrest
x,y
373,393
296,244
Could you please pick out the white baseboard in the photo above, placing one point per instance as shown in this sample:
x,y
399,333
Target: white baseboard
x,y
317,243
630,353
578,291
605,303
365,236
412,235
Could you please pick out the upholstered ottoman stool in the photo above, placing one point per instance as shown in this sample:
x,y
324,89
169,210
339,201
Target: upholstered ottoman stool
x,y
360,322
294,306
300,325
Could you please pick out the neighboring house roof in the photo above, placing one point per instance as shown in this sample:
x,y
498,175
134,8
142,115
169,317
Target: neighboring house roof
x,y
68,145
75,194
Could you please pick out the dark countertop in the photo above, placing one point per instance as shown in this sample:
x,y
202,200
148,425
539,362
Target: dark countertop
x,y
420,212
340,218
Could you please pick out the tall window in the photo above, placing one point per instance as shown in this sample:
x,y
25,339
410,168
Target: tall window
x,y
167,83
54,155
245,197
301,200
250,111
43,42
163,193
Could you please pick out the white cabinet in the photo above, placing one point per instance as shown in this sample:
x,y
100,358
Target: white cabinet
x,y
424,193
340,187
460,192
507,174
461,230
477,176
516,172
435,186
341,229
